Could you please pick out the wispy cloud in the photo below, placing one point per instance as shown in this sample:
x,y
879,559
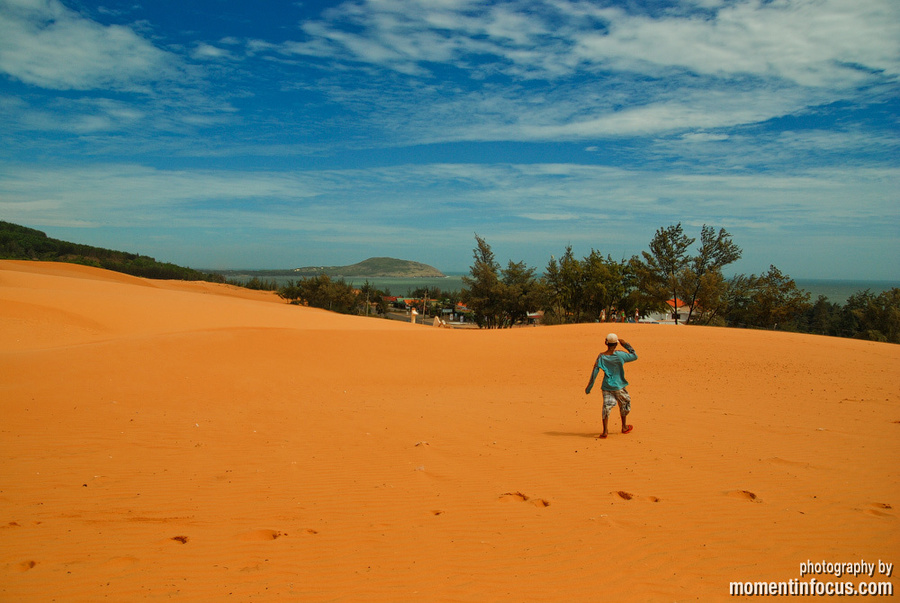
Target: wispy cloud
x,y
810,43
773,118
545,70
44,43
208,52
396,209
583,194
102,79
830,43
516,70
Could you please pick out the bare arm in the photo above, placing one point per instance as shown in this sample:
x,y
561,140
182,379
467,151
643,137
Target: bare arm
x,y
594,373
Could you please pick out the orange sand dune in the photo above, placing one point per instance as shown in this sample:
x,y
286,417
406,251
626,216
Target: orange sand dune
x,y
203,443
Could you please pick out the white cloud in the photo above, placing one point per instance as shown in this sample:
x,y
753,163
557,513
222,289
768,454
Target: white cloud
x,y
835,43
530,211
574,71
208,52
573,113
48,45
539,192
577,71
677,90
807,42
84,116
550,217
787,151
704,137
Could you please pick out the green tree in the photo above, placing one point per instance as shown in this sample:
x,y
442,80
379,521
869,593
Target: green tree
x,y
500,299
873,317
258,284
564,283
599,286
369,295
520,292
608,286
20,242
703,275
553,282
713,298
322,292
770,301
482,292
553,286
779,301
736,306
888,314
581,290
822,317
662,271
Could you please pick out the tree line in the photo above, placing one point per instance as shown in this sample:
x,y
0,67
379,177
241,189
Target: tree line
x,y
570,290
671,271
23,243
337,295
597,287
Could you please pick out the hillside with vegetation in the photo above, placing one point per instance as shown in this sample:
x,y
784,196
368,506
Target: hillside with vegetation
x,y
380,267
23,243
374,267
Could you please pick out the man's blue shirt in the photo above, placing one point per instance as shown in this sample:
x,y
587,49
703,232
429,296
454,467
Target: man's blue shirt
x,y
613,367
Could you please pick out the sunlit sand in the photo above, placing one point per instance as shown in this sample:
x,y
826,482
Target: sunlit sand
x,y
204,442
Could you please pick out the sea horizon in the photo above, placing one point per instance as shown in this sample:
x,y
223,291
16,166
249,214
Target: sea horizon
x,y
838,291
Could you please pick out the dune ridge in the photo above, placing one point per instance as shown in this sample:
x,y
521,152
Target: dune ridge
x,y
198,441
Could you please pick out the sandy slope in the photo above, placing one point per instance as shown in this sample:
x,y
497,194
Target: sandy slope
x,y
195,442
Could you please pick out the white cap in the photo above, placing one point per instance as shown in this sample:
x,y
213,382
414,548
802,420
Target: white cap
x,y
612,338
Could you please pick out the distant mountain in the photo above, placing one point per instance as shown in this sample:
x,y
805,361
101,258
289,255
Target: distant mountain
x,y
372,267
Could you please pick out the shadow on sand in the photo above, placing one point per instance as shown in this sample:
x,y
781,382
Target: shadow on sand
x,y
573,434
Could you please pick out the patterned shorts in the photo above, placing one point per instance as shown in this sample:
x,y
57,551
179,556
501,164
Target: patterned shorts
x,y
620,397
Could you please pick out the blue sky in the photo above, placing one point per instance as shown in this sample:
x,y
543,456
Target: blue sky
x,y
225,134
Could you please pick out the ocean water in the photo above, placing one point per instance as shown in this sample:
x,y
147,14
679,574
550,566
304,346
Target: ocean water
x,y
838,291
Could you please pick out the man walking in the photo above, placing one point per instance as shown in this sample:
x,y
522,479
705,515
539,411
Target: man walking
x,y
612,363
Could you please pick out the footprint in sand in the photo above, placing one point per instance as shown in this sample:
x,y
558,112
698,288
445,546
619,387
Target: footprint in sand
x,y
513,496
519,497
880,510
629,496
744,495
262,535
116,563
